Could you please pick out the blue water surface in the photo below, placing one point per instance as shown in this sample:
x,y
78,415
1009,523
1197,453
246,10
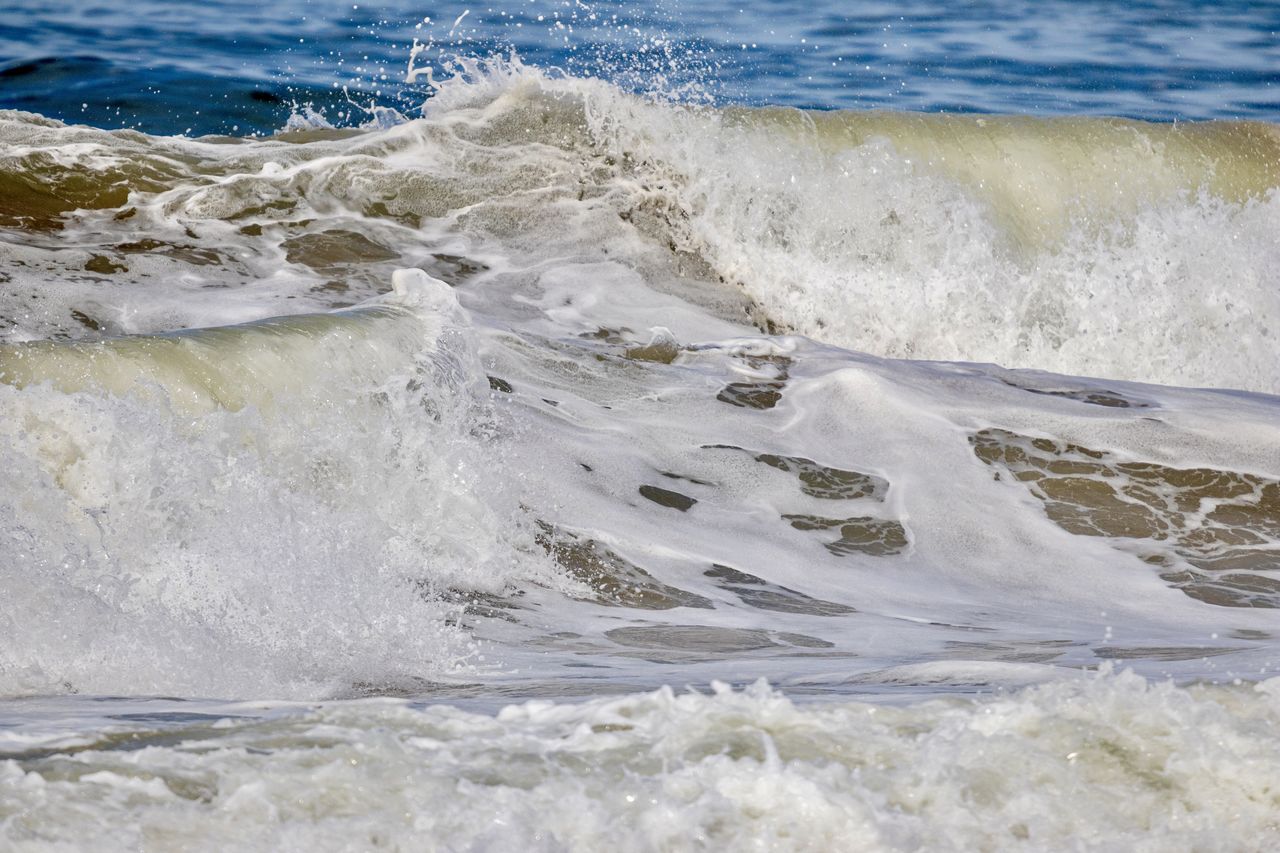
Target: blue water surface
x,y
242,66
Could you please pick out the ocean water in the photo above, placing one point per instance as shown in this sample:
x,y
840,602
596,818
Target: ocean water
x,y
567,425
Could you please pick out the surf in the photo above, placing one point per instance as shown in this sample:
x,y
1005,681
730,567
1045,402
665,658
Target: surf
x,y
231,367
1015,240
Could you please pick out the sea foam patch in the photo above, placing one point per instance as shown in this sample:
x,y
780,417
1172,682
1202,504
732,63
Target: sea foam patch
x,y
285,501
1118,758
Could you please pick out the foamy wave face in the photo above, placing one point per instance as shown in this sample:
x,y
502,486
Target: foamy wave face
x,y
276,508
1087,247
1082,246
607,446
1103,762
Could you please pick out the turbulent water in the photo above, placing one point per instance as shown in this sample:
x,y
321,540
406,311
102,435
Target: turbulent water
x,y
574,466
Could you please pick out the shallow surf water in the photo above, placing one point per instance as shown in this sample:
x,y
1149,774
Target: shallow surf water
x,y
574,464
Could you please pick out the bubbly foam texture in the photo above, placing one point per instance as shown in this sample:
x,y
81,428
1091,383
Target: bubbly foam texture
x,y
1107,761
275,508
773,475
1029,243
1021,242
591,455
501,402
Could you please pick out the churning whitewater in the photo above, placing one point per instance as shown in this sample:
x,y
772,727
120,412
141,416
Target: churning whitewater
x,y
353,436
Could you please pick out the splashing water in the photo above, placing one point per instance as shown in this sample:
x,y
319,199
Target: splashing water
x,y
582,383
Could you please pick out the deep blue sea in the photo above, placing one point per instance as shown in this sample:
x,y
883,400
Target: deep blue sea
x,y
236,65
578,425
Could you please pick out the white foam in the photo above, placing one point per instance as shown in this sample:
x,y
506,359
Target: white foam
x,y
1109,762
292,542
1076,264
572,219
